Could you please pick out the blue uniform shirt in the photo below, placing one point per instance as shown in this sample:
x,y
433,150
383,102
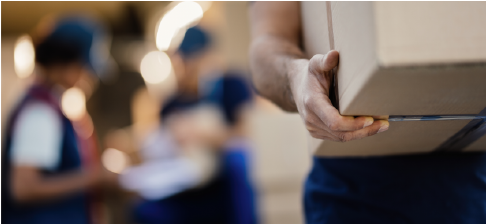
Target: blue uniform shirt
x,y
69,209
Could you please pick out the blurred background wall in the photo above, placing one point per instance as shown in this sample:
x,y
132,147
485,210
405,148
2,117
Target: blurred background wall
x,y
281,159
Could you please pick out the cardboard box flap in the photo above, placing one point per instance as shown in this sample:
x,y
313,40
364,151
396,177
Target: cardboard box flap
x,y
424,33
404,137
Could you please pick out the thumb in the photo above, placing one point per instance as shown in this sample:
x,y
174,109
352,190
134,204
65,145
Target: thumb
x,y
321,65
324,63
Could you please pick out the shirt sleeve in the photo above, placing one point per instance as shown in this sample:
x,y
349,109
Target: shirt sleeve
x,y
37,137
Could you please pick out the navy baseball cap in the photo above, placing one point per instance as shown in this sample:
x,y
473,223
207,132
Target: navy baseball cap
x,y
195,41
74,38
230,93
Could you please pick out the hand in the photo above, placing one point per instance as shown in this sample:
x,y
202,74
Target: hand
x,y
310,81
202,125
182,129
98,176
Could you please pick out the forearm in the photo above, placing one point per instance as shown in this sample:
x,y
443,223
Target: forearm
x,y
275,55
29,185
282,74
273,62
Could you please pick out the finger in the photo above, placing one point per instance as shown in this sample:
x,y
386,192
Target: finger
x,y
377,127
328,114
381,117
320,133
324,63
318,130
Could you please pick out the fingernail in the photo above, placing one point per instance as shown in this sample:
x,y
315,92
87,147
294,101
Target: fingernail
x,y
368,122
383,128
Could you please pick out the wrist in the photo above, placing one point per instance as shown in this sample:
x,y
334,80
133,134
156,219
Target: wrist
x,y
296,69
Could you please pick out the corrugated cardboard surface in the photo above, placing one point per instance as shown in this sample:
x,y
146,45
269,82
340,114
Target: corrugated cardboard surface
x,y
403,58
315,31
403,137
418,33
366,35
353,26
442,90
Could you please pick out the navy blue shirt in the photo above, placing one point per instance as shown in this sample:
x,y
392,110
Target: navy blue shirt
x,y
229,197
430,188
71,208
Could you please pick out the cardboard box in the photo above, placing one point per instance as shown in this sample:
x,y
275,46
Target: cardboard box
x,y
403,137
402,58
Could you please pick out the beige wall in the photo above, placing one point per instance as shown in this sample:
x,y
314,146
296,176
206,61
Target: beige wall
x,y
281,164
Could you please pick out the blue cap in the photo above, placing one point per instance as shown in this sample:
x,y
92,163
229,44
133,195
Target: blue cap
x,y
230,92
195,41
74,38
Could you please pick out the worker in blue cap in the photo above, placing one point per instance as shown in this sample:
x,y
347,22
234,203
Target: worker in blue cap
x,y
227,196
189,61
45,178
232,95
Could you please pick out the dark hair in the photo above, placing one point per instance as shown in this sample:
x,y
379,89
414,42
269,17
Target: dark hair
x,y
57,51
70,41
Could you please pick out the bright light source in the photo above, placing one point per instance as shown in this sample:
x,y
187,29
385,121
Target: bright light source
x,y
164,35
185,13
74,103
205,5
114,160
155,67
181,16
24,56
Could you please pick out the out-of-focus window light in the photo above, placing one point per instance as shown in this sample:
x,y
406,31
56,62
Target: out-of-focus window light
x,y
114,160
205,5
24,57
73,103
155,67
181,16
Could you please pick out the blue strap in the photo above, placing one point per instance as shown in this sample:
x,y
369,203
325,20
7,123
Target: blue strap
x,y
474,130
467,135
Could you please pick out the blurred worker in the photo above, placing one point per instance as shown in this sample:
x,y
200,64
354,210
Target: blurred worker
x,y
430,188
232,95
163,147
195,163
47,169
